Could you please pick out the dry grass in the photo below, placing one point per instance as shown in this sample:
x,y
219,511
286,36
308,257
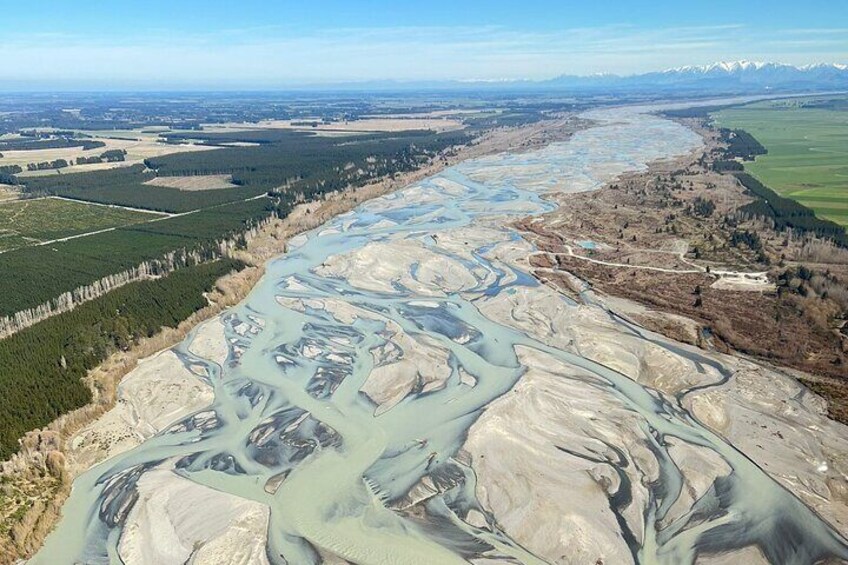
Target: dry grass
x,y
8,193
137,150
192,183
835,391
824,252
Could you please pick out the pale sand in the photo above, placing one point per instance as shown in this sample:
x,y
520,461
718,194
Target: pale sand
x,y
436,274
404,364
784,428
741,282
768,416
553,504
210,342
164,526
367,268
512,447
157,393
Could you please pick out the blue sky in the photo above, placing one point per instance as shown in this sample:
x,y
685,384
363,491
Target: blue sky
x,y
261,44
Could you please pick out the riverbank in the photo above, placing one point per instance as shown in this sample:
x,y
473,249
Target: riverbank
x,y
672,239
47,464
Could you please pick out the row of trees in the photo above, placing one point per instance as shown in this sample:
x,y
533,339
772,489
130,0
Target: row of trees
x,y
41,367
152,268
27,144
45,165
111,156
787,213
741,144
783,213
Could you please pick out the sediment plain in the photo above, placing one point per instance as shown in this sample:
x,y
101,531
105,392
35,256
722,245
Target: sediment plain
x,y
398,389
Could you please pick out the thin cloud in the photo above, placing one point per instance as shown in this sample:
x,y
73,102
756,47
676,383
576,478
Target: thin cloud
x,y
268,56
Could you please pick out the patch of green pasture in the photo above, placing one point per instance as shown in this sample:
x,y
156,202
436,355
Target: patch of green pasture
x,y
24,222
807,151
838,215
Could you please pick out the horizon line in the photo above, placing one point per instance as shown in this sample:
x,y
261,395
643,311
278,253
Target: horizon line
x,y
48,85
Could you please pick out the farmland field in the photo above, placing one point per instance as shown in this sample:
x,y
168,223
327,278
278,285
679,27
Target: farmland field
x,y
195,182
26,222
807,142
139,146
36,274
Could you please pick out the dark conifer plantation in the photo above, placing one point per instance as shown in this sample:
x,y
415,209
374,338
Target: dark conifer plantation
x,y
41,367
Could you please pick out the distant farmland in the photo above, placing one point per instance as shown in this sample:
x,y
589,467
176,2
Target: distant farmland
x,y
284,168
807,142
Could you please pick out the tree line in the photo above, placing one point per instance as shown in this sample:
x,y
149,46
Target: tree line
x,y
35,275
111,156
787,213
41,367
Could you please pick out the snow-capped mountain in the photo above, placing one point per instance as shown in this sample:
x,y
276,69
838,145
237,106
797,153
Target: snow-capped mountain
x,y
727,76
735,67
723,67
759,71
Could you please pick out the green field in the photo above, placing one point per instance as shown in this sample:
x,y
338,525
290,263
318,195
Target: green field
x,y
807,142
25,222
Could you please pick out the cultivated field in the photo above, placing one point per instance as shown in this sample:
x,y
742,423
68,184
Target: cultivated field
x,y
394,123
138,145
807,142
196,182
27,222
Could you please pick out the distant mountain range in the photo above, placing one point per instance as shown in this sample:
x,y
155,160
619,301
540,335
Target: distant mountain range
x,y
736,77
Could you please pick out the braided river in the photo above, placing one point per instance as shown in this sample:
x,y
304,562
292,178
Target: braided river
x,y
399,389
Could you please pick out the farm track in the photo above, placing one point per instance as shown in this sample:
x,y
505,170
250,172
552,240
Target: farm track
x,y
160,216
117,206
680,255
